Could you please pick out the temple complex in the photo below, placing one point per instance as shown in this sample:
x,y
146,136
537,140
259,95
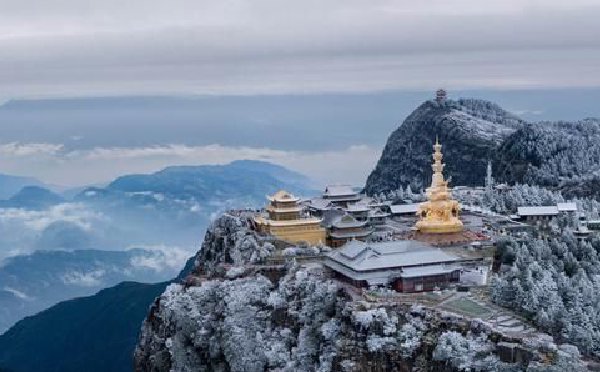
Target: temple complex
x,y
284,219
439,214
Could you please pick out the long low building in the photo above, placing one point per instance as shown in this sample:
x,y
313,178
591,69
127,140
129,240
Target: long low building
x,y
404,209
404,265
545,212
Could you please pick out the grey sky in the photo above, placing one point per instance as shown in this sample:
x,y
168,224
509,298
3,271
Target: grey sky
x,y
329,79
79,48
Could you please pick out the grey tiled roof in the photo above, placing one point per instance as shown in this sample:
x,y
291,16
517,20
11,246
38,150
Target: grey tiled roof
x,y
339,190
360,256
404,208
538,211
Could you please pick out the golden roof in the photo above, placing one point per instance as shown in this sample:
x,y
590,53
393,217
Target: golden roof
x,y
283,196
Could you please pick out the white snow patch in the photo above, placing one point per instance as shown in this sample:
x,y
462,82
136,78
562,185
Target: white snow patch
x,y
83,279
17,293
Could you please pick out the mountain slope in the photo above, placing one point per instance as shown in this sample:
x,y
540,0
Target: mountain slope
x,y
95,333
32,197
10,185
470,131
246,178
31,283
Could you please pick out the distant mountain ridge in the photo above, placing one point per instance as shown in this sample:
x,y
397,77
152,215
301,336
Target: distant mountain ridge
x,y
185,198
10,185
242,177
32,197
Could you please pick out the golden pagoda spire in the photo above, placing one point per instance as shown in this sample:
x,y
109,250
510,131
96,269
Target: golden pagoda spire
x,y
439,214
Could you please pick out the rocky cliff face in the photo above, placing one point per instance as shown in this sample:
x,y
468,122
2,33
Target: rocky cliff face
x,y
561,155
294,318
469,130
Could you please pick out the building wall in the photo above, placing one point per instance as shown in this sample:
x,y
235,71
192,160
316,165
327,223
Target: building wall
x,y
338,242
286,204
425,283
284,216
312,234
345,279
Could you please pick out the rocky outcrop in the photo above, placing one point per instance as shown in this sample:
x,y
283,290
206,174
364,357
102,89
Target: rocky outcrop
x,y
469,130
561,155
230,240
232,317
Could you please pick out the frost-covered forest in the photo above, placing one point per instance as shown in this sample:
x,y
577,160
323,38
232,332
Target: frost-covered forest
x,y
505,202
555,284
556,154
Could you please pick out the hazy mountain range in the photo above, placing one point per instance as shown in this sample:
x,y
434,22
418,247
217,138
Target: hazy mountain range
x,y
138,228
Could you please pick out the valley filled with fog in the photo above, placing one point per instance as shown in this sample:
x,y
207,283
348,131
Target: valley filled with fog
x,y
141,228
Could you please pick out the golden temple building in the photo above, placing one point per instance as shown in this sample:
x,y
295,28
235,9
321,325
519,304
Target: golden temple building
x,y
440,213
285,221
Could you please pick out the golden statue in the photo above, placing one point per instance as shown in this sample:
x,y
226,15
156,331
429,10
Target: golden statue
x,y
439,214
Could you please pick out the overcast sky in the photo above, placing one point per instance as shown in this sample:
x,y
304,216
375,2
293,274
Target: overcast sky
x,y
75,48
112,47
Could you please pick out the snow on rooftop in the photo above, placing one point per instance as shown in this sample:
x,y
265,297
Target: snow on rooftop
x,y
358,207
283,196
339,190
567,207
377,213
405,208
360,256
538,211
319,203
347,221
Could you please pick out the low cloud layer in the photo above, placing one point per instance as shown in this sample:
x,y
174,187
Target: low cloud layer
x,y
73,48
23,230
55,165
